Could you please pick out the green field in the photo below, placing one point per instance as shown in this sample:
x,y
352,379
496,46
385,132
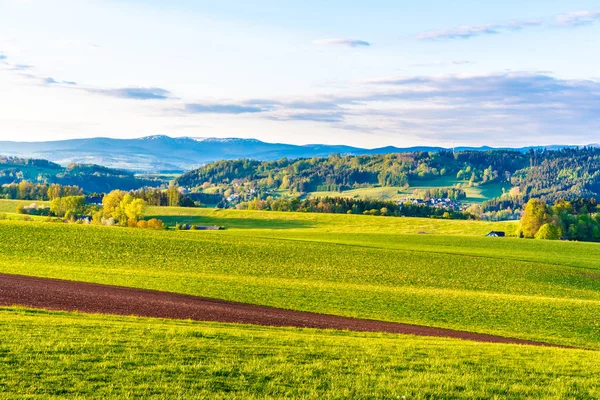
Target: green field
x,y
352,265
475,194
10,206
528,289
325,223
52,355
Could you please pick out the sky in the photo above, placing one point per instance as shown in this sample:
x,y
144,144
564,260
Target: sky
x,y
370,74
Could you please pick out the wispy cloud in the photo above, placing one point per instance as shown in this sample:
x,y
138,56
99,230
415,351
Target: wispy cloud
x,y
20,67
3,57
134,93
578,18
470,31
568,20
466,107
329,117
196,108
342,42
52,81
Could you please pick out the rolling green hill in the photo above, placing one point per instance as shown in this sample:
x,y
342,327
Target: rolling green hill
x,y
441,273
348,265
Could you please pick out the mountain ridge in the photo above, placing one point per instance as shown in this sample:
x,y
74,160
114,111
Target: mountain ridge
x,y
162,153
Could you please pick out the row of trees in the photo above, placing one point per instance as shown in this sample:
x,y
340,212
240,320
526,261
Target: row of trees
x,y
440,193
118,208
171,197
25,190
340,205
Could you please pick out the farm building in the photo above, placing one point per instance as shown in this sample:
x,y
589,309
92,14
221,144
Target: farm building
x,y
496,234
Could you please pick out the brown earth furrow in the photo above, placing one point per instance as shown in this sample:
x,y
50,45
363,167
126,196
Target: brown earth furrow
x,y
54,294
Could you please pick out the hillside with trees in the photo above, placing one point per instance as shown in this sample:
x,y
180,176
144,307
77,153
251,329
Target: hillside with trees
x,y
338,173
89,177
547,174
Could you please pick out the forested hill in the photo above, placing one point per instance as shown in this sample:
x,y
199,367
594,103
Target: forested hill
x,y
565,173
91,178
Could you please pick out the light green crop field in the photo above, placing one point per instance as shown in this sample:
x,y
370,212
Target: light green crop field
x,y
57,355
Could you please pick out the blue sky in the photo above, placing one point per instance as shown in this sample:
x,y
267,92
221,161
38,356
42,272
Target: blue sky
x,y
502,73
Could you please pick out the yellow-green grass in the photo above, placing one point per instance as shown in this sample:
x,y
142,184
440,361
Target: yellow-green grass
x,y
56,355
546,291
333,223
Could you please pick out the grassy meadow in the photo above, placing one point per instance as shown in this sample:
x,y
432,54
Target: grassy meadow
x,y
56,355
442,273
475,194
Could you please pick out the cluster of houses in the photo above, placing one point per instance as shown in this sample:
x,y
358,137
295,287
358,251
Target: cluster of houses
x,y
446,204
236,196
248,194
233,197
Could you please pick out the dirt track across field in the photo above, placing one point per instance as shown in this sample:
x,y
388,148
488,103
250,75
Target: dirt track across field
x,y
53,294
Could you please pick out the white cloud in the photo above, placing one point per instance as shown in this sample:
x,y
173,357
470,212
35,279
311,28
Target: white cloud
x,y
342,42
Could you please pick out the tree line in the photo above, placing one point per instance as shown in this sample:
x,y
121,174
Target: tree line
x,y
342,205
25,190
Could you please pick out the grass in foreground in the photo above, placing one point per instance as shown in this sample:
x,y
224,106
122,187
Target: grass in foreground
x,y
52,354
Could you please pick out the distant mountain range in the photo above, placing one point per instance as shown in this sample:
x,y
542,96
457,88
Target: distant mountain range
x,y
167,154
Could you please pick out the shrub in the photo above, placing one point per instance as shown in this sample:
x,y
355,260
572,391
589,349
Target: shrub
x,y
156,224
548,232
70,216
142,224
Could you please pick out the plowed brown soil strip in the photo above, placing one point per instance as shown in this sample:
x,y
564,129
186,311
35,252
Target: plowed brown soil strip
x,y
53,294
